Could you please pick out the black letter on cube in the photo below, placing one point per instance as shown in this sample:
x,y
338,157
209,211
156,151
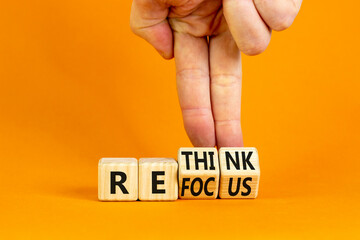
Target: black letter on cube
x,y
114,183
155,181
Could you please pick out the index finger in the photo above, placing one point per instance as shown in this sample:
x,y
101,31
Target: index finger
x,y
192,77
226,74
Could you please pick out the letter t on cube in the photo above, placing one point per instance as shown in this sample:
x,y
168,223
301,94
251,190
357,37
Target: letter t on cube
x,y
118,179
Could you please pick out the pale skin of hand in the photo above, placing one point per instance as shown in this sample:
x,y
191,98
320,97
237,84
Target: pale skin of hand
x,y
206,38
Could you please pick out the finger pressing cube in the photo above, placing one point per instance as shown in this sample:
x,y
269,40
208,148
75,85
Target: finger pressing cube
x,y
118,179
240,172
198,173
158,179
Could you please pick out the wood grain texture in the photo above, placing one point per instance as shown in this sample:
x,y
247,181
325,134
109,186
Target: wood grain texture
x,y
240,172
158,179
120,167
198,173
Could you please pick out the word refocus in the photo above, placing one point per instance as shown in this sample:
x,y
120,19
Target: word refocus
x,y
199,173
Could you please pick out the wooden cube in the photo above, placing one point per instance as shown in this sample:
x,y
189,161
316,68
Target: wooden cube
x,y
240,172
118,179
198,173
158,179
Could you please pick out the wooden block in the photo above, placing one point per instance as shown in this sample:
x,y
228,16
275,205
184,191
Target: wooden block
x,y
240,172
158,179
198,173
118,179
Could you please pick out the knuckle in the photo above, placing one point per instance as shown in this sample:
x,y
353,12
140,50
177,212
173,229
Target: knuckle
x,y
192,73
284,18
133,27
196,111
283,22
225,80
278,15
228,122
255,47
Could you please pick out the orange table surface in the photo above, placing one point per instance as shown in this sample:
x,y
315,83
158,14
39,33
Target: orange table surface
x,y
76,85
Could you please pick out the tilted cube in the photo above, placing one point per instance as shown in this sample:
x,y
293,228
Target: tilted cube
x,y
240,172
118,179
158,179
198,173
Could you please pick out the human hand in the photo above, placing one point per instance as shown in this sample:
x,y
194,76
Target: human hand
x,y
206,38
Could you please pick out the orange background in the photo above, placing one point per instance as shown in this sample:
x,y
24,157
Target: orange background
x,y
76,85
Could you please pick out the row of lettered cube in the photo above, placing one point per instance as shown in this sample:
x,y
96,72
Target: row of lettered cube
x,y
199,173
